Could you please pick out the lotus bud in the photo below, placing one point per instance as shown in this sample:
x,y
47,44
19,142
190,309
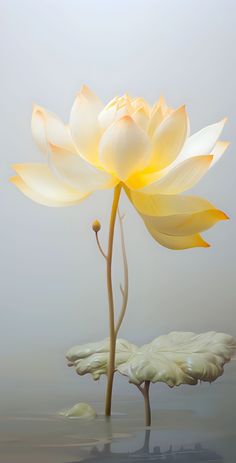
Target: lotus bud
x,y
96,226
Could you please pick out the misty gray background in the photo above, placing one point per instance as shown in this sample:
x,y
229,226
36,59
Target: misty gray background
x,y
53,292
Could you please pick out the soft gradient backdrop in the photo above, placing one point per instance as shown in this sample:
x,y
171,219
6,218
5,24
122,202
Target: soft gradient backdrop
x,y
53,291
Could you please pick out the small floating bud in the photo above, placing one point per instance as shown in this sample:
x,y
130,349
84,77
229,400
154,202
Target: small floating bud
x,y
96,226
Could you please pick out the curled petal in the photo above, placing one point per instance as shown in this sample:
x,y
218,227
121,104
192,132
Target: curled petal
x,y
38,183
78,173
176,179
169,138
165,205
48,128
177,243
202,142
84,124
179,216
124,148
184,224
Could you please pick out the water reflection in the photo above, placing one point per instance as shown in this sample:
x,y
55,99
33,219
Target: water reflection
x,y
196,454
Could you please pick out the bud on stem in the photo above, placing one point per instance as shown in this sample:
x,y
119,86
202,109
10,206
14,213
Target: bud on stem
x,y
96,226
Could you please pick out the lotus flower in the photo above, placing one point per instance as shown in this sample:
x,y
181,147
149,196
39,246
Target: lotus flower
x,y
148,151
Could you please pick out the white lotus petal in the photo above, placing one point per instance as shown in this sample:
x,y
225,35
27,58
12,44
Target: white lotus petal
x,y
203,141
169,138
93,357
179,178
159,112
84,125
218,150
48,128
124,148
140,103
180,358
141,117
115,110
77,172
155,121
38,183
108,115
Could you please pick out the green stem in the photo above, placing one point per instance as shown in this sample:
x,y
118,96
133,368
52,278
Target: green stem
x,y
112,331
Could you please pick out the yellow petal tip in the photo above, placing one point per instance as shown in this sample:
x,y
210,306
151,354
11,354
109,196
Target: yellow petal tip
x,y
205,244
202,243
220,215
208,157
85,89
13,179
224,216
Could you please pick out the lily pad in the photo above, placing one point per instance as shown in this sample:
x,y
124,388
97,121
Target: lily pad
x,y
180,358
93,357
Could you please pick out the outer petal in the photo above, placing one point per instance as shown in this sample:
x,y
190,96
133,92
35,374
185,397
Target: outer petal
x,y
177,243
84,124
124,148
37,182
169,139
176,179
77,172
165,205
184,224
203,141
179,216
48,128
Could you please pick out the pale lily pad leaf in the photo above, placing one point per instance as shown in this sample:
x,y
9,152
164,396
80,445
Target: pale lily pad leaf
x,y
180,358
93,357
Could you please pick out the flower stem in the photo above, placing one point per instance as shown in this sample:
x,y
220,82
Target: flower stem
x,y
145,392
147,403
111,363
